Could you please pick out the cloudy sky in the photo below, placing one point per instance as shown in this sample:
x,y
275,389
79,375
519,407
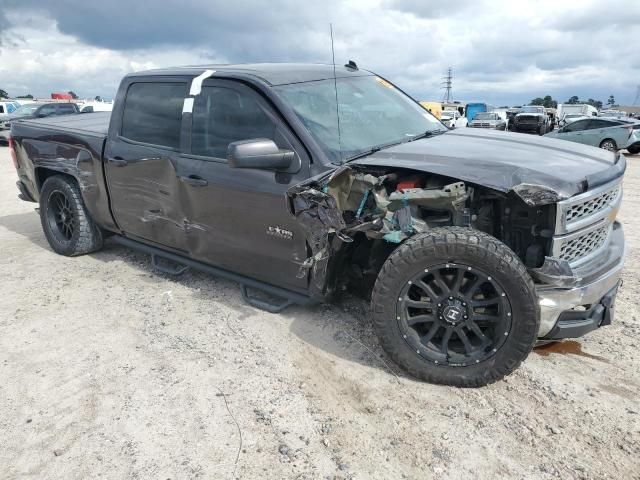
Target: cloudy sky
x,y
502,52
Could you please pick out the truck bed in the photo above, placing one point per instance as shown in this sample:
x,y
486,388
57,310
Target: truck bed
x,y
94,124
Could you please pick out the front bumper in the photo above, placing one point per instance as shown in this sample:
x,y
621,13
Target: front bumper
x,y
527,127
572,311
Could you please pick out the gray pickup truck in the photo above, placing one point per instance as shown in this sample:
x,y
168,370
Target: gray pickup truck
x,y
300,181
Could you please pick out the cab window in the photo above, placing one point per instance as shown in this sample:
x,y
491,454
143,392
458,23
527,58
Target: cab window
x,y
153,113
222,116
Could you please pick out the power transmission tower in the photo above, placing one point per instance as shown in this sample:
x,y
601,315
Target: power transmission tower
x,y
448,80
637,99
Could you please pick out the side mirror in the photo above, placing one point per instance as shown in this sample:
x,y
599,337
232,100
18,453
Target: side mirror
x,y
258,153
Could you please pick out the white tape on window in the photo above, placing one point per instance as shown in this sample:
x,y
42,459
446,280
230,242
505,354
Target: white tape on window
x,y
196,83
187,106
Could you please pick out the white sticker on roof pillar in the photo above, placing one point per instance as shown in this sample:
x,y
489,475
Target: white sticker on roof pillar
x,y
187,106
196,83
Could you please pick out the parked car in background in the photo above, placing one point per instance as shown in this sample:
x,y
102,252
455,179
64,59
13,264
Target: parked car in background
x,y
553,119
531,119
450,118
612,114
35,110
599,132
7,107
511,116
633,145
91,107
488,120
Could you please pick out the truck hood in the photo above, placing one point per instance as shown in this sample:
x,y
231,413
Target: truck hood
x,y
540,170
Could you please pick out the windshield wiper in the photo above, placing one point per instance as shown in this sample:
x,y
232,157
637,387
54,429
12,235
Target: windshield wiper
x,y
427,134
371,151
377,148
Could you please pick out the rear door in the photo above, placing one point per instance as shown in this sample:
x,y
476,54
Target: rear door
x,y
142,151
238,218
574,131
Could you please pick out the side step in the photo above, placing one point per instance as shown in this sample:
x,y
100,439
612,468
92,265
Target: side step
x,y
287,297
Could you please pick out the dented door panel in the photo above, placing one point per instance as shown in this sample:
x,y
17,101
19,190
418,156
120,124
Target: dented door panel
x,y
239,221
145,196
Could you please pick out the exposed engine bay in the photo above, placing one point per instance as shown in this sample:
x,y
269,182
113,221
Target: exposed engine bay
x,y
354,218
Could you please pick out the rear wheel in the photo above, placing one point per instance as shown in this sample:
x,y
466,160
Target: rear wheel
x,y
633,150
455,306
608,144
65,221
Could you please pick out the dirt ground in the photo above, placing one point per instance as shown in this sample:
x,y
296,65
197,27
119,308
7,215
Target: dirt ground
x,y
109,370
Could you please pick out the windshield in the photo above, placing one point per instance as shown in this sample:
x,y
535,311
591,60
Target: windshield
x,y
372,113
485,116
26,109
448,114
531,109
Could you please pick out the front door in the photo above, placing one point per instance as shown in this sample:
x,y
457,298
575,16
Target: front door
x,y
238,218
141,159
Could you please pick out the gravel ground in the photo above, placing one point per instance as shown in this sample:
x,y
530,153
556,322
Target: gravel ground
x,y
110,370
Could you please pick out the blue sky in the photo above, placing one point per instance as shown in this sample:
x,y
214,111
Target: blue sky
x,y
503,52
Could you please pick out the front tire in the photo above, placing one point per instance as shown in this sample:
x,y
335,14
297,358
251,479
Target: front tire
x,y
633,150
65,220
455,306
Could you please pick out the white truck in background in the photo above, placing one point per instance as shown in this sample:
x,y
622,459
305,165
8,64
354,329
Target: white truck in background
x,y
574,109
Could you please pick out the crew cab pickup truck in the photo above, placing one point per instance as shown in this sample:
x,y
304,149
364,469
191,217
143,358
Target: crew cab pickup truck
x,y
298,184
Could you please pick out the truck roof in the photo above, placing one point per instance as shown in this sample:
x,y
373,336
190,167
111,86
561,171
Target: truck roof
x,y
271,73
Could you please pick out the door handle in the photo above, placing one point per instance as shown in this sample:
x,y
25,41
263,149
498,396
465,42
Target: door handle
x,y
194,181
118,162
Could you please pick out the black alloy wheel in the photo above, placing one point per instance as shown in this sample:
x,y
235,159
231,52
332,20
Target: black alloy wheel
x,y
60,216
454,315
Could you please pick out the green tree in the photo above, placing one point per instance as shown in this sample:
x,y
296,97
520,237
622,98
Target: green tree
x,y
573,100
612,101
3,94
537,101
595,103
28,95
549,102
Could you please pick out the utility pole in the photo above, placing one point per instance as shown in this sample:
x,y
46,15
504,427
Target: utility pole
x,y
637,99
448,80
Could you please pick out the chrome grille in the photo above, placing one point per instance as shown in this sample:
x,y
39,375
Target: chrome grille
x,y
584,245
584,223
592,206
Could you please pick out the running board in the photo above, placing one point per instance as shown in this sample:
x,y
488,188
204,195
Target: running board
x,y
176,271
287,297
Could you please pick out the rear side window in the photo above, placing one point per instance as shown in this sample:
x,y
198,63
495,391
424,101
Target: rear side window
x,y
601,124
64,109
576,126
222,116
153,113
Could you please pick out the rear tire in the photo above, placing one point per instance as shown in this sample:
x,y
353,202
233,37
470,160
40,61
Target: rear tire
x,y
633,150
448,350
65,221
609,144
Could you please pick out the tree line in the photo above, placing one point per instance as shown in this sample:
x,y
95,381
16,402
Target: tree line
x,y
548,102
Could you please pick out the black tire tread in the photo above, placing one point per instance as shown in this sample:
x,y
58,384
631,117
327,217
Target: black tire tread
x,y
452,242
